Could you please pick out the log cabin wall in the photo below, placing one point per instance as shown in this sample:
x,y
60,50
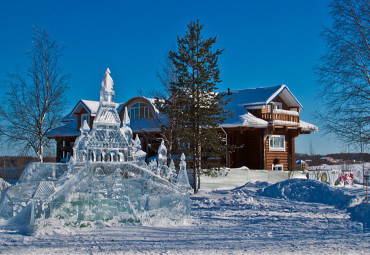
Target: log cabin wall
x,y
279,100
64,146
249,151
286,157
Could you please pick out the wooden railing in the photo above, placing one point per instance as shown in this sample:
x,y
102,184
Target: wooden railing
x,y
280,117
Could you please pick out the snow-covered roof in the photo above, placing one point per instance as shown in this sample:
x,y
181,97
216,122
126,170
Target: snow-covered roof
x,y
307,126
90,106
260,97
256,98
246,120
69,129
146,125
152,102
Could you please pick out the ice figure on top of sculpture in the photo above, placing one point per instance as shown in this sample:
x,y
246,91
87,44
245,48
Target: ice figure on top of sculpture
x,y
108,179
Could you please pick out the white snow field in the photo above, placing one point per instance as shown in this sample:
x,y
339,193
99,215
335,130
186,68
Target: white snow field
x,y
296,216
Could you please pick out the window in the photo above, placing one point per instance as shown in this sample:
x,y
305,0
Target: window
x,y
64,144
276,105
277,167
139,111
85,117
277,143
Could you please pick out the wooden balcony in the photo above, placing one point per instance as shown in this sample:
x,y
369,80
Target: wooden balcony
x,y
281,118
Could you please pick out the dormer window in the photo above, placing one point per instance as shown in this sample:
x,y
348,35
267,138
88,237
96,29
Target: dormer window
x,y
139,111
85,117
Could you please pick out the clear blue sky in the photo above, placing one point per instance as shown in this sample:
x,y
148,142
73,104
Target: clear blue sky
x,y
267,42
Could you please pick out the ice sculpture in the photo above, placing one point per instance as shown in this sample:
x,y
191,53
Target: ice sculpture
x,y
182,178
106,179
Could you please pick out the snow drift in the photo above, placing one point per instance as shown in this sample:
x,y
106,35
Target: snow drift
x,y
317,192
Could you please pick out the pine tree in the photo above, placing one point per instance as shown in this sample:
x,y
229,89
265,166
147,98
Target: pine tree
x,y
195,108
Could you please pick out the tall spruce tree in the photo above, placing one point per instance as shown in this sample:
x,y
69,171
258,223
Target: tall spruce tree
x,y
194,107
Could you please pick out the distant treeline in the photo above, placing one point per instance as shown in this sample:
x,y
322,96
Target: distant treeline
x,y
346,157
11,167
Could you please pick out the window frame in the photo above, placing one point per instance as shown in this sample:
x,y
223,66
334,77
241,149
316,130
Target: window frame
x,y
273,168
139,110
87,119
275,105
272,138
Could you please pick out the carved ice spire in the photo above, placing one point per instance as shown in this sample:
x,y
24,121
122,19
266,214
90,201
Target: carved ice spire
x,y
85,127
137,143
162,154
107,92
182,177
126,118
107,82
172,172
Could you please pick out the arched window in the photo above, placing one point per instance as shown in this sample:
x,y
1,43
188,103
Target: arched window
x,y
139,110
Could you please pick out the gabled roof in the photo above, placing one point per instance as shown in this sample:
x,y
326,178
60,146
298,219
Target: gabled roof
x,y
90,106
68,129
255,98
260,97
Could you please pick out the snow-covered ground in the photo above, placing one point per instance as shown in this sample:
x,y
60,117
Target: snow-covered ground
x,y
294,216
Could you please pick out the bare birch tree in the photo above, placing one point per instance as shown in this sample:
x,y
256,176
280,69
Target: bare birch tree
x,y
344,72
34,101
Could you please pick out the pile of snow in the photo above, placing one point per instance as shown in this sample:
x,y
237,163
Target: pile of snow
x,y
361,213
236,177
317,192
309,191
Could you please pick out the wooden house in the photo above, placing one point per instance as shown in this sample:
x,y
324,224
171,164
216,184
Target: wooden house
x,y
265,124
264,127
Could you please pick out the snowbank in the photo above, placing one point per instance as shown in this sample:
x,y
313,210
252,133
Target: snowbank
x,y
236,177
318,192
361,213
309,191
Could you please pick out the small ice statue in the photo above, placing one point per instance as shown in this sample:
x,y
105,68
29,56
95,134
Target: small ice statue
x,y
182,177
171,172
125,129
162,155
137,152
153,166
136,143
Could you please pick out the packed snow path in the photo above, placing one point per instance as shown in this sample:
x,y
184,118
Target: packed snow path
x,y
232,221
